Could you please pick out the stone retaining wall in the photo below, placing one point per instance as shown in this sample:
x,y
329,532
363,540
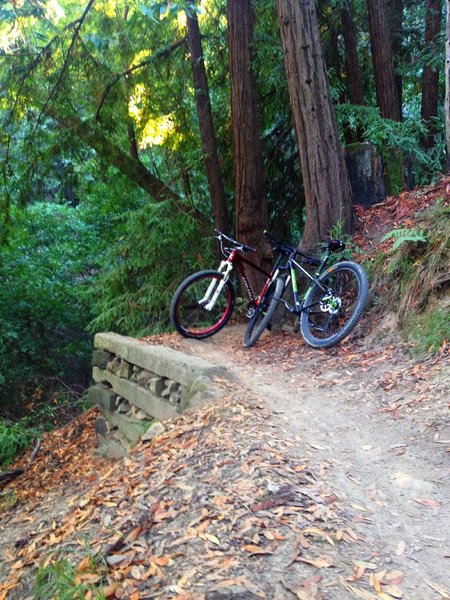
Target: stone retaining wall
x,y
138,385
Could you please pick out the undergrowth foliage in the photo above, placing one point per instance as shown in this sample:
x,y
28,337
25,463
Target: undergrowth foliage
x,y
61,580
417,272
159,246
14,438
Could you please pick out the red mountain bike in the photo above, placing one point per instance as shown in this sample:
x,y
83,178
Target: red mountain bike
x,y
204,302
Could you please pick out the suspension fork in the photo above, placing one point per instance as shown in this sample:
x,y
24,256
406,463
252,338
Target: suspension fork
x,y
216,286
297,302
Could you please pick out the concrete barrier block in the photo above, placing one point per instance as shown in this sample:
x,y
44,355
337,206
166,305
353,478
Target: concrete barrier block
x,y
142,398
161,360
103,395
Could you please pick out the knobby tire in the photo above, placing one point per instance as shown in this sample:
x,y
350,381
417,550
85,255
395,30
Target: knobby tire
x,y
349,282
189,318
264,313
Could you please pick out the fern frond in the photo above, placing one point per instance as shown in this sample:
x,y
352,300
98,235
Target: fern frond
x,y
403,235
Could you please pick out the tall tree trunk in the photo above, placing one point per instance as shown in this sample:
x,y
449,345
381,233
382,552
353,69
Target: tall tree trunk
x,y
328,195
430,77
354,78
395,20
447,86
383,65
207,133
251,204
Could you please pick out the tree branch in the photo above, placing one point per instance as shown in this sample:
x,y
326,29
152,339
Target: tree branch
x,y
163,53
78,25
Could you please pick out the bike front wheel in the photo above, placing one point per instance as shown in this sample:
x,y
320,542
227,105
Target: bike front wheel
x,y
263,315
334,304
202,304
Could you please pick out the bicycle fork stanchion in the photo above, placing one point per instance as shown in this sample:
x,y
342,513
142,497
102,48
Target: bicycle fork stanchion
x,y
297,303
208,302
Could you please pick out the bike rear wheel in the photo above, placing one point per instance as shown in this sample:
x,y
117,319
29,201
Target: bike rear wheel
x,y
334,311
194,312
264,313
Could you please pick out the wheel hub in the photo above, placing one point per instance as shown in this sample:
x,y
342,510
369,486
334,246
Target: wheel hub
x,y
330,304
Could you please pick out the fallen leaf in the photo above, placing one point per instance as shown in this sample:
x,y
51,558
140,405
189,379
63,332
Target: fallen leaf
x,y
161,561
84,565
375,580
400,548
252,549
136,572
393,577
211,538
427,502
393,591
439,589
320,562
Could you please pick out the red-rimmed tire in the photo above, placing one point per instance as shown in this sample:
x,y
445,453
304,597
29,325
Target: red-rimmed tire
x,y
192,315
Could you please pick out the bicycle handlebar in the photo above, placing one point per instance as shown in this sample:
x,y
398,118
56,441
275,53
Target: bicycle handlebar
x,y
287,250
239,245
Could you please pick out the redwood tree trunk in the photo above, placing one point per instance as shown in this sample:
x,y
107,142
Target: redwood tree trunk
x,y
430,77
395,20
207,132
327,189
383,66
354,78
251,205
447,86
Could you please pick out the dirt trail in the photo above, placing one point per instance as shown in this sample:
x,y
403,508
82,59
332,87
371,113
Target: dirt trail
x,y
376,427
315,475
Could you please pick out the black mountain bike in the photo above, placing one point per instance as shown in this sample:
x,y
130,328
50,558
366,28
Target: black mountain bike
x,y
331,306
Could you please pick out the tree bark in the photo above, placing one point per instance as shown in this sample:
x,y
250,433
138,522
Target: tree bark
x,y
207,132
395,20
354,78
328,195
447,86
430,77
383,65
251,204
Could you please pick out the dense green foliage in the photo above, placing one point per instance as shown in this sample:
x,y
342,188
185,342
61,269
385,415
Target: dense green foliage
x,y
42,311
14,438
92,95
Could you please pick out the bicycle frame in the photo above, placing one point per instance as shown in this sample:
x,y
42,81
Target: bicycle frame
x,y
226,266
292,266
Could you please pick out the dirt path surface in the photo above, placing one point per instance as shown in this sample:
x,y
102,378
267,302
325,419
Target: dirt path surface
x,y
376,426
316,475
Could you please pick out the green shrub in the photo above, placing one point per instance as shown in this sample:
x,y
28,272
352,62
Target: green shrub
x,y
158,247
60,581
44,270
430,331
14,438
